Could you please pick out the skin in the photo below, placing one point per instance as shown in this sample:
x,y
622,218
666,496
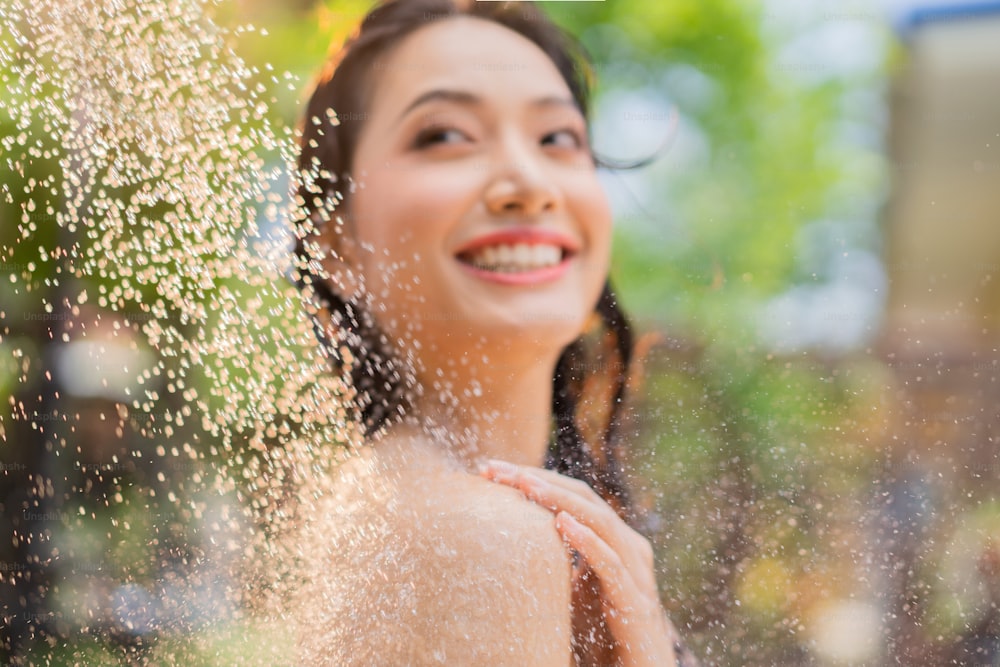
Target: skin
x,y
501,158
621,558
502,162
471,574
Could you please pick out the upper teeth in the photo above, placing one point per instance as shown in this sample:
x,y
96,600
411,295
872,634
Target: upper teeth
x,y
505,257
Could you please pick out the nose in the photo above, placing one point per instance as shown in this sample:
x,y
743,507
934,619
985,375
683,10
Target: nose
x,y
519,184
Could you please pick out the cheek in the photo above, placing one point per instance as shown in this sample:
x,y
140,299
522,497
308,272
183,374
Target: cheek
x,y
592,209
402,222
407,210
600,209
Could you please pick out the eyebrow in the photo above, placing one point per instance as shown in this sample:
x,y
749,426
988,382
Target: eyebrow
x,y
468,99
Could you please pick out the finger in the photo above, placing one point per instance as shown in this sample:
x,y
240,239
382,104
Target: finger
x,y
525,478
496,469
556,492
592,511
616,580
588,508
599,516
636,620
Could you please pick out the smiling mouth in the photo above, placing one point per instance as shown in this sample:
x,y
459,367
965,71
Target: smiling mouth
x,y
515,258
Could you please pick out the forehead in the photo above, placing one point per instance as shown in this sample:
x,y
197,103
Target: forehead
x,y
467,52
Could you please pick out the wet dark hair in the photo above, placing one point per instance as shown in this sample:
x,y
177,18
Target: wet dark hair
x,y
343,90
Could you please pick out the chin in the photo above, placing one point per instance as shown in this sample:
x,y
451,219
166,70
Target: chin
x,y
540,331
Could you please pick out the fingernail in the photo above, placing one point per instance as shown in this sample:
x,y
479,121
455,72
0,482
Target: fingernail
x,y
502,467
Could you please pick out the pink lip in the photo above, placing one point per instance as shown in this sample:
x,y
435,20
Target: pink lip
x,y
544,275
528,236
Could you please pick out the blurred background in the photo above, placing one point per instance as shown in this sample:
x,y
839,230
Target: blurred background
x,y
815,254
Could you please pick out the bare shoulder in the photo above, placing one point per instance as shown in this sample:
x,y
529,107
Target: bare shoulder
x,y
448,568
494,564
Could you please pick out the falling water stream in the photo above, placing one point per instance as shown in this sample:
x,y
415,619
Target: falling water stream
x,y
176,388
174,433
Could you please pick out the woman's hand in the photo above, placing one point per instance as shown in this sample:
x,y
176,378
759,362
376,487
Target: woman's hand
x,y
621,559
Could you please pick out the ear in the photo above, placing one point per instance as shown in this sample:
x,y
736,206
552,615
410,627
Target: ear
x,y
340,257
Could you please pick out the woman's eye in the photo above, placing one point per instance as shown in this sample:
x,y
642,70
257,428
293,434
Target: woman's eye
x,y
437,135
564,138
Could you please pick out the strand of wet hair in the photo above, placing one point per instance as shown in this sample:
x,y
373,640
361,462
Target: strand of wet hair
x,y
569,452
371,368
618,325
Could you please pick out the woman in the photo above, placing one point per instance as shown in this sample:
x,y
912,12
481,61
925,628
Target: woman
x,y
456,235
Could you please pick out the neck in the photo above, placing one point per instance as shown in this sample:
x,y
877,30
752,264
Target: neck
x,y
501,410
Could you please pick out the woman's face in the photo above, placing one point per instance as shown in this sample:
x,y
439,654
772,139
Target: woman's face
x,y
477,215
